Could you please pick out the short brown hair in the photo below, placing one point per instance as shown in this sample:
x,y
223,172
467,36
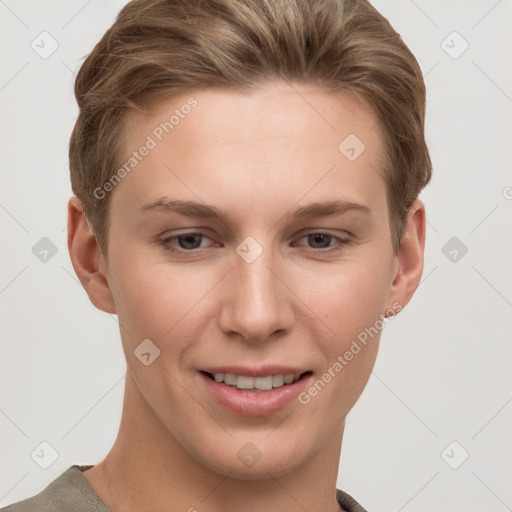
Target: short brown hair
x,y
156,48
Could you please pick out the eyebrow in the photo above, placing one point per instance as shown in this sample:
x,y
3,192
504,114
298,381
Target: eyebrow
x,y
201,210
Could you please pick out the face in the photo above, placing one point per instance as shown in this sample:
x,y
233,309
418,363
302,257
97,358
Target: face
x,y
251,240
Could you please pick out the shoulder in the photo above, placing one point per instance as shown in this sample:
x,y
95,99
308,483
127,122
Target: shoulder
x,y
347,502
70,492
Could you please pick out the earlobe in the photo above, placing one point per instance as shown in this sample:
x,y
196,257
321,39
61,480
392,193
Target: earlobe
x,y
410,256
87,259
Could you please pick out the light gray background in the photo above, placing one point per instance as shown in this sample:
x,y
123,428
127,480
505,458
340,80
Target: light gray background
x,y
443,372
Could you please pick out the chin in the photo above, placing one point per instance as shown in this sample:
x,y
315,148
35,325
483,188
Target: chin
x,y
258,460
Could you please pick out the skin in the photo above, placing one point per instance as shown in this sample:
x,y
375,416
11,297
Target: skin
x,y
257,156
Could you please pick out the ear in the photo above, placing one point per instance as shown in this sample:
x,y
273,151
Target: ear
x,y
87,258
410,257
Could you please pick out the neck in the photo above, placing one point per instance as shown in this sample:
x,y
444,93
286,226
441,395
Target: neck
x,y
147,469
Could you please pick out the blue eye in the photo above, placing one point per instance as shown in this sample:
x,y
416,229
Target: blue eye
x,y
192,241
324,242
186,241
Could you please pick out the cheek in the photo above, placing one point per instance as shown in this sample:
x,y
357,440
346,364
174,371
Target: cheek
x,y
350,305
349,298
164,301
156,300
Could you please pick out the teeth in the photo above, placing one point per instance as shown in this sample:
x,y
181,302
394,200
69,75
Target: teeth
x,y
230,380
256,383
244,382
277,381
263,383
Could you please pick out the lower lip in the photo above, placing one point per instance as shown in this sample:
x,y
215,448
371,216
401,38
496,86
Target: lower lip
x,y
254,403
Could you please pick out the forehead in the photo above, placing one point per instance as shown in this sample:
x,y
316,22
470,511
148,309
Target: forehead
x,y
280,142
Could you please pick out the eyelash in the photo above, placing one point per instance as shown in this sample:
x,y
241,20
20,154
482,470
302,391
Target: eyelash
x,y
342,242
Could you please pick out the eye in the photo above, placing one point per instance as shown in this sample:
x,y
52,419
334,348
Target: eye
x,y
184,242
322,242
319,242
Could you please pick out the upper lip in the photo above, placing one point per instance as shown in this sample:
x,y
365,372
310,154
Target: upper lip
x,y
256,371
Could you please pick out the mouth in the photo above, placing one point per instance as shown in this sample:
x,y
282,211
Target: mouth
x,y
256,384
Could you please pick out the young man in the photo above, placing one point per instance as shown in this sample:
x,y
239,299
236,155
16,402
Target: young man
x,y
246,179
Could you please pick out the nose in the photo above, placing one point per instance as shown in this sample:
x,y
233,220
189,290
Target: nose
x,y
256,303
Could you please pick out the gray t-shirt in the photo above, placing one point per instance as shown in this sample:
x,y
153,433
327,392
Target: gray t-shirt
x,y
72,492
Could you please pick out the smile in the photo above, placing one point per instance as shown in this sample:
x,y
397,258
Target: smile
x,y
265,383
